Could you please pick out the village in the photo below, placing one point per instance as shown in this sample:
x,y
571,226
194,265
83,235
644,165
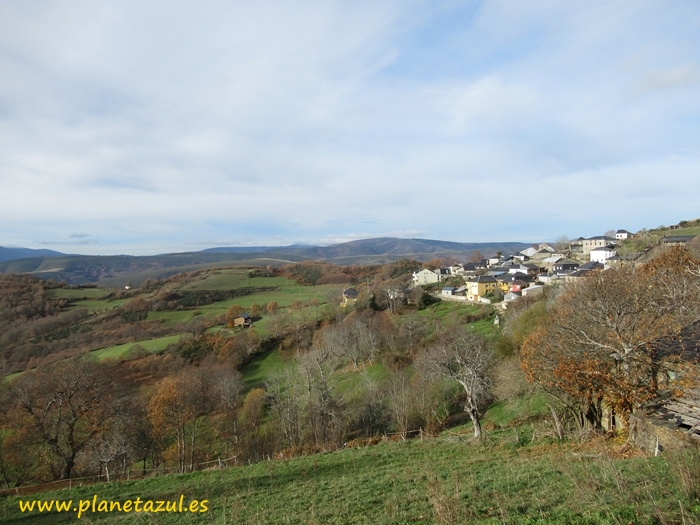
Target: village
x,y
505,278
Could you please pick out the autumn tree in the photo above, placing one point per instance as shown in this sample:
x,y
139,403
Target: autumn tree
x,y
233,311
475,256
598,344
228,385
272,308
179,408
63,407
464,357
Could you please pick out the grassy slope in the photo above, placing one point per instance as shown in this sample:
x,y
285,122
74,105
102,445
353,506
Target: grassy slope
x,y
152,345
442,480
80,293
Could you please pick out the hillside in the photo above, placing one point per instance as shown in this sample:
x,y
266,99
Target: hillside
x,y
443,480
7,254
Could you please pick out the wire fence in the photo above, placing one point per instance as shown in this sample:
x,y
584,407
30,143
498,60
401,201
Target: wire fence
x,y
494,435
117,475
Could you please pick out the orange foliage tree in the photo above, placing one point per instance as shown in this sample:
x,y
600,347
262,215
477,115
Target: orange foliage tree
x,y
178,409
599,344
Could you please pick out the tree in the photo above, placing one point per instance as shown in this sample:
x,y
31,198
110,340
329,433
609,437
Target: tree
x,y
284,393
255,310
463,357
272,308
600,341
233,311
64,407
179,408
561,244
433,264
324,409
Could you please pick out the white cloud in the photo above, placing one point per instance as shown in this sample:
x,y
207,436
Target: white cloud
x,y
158,125
686,75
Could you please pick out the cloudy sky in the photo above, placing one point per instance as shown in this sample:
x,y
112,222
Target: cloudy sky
x,y
149,127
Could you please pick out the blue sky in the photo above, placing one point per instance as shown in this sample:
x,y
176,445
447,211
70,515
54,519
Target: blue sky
x,y
151,127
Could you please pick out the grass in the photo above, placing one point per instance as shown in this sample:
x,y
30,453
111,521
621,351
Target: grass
x,y
152,345
505,412
10,377
260,368
177,316
444,308
94,305
431,481
232,278
80,293
349,381
284,297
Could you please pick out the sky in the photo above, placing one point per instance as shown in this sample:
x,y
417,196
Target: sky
x,y
166,126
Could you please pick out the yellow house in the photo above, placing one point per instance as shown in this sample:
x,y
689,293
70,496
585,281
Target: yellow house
x,y
480,286
349,297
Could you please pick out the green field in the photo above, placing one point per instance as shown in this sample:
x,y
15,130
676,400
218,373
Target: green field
x,y
80,293
260,368
284,296
152,345
446,480
169,317
232,278
94,305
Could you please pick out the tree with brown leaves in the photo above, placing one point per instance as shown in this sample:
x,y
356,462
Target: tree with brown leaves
x,y
599,343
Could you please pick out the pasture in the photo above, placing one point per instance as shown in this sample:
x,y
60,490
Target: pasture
x,y
444,480
151,345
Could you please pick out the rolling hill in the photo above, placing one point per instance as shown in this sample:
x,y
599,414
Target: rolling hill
x,y
80,269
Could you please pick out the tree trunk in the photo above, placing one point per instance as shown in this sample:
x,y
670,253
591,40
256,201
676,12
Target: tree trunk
x,y
474,415
68,464
594,415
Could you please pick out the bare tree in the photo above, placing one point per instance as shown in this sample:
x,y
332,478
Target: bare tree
x,y
463,357
284,392
324,408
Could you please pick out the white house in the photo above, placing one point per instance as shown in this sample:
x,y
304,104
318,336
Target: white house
x,y
424,277
603,253
621,235
534,290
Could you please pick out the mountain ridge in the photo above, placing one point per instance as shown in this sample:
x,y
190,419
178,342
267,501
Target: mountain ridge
x,y
81,269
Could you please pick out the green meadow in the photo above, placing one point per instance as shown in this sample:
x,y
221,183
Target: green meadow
x,y
232,278
447,480
152,345
80,293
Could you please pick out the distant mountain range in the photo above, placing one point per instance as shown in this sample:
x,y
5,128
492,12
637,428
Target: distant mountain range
x,y
390,248
114,270
7,254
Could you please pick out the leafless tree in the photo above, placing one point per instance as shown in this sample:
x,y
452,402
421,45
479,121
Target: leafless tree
x,y
464,357
324,408
284,393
